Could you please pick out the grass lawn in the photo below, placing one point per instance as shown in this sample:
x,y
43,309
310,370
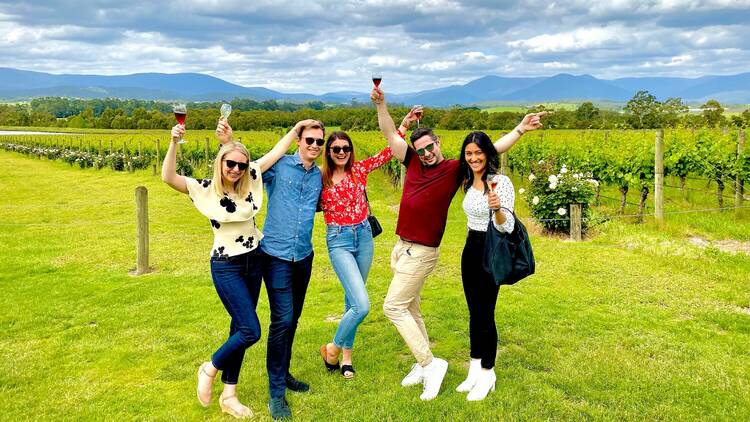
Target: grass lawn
x,y
635,324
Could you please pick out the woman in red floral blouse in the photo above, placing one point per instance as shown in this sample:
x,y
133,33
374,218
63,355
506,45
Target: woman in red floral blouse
x,y
349,239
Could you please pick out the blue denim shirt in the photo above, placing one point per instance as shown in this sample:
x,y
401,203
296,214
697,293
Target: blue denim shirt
x,y
293,194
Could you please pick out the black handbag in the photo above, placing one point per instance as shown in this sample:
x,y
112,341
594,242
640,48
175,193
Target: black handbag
x,y
508,256
374,223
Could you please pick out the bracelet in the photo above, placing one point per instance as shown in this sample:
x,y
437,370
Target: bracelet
x,y
401,134
519,132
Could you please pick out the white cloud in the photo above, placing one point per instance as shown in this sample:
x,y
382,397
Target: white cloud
x,y
434,66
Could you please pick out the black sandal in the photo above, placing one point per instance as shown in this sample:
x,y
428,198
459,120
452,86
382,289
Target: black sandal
x,y
348,368
331,367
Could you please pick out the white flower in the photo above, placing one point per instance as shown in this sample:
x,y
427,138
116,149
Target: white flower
x,y
521,191
593,182
577,176
561,211
535,200
553,186
564,169
532,177
541,161
552,178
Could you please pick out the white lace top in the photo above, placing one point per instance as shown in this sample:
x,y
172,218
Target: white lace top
x,y
477,211
232,219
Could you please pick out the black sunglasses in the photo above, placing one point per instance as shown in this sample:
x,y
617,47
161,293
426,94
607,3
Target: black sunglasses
x,y
232,163
337,149
319,141
427,148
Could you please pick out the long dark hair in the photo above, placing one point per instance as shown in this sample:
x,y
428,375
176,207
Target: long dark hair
x,y
483,141
329,165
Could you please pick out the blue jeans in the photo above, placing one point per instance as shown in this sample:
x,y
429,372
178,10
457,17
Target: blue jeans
x,y
350,249
286,285
237,280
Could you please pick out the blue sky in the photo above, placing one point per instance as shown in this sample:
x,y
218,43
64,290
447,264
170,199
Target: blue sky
x,y
323,46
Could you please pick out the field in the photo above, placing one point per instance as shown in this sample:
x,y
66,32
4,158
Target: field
x,y
637,322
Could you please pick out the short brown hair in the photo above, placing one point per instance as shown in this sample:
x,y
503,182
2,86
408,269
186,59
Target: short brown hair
x,y
314,125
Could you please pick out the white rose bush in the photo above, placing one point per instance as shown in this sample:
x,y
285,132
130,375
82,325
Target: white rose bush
x,y
550,192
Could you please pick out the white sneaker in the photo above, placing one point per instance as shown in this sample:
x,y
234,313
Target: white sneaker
x,y
485,384
433,378
475,365
414,377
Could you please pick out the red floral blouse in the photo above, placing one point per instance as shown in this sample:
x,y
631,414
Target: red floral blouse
x,y
344,203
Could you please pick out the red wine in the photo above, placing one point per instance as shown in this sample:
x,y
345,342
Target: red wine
x,y
418,115
180,118
493,185
376,81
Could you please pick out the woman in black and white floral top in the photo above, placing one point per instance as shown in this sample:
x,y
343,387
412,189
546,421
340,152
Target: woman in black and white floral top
x,y
230,200
479,162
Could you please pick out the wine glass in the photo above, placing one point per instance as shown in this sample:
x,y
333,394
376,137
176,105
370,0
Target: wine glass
x,y
377,77
493,179
418,113
226,110
180,113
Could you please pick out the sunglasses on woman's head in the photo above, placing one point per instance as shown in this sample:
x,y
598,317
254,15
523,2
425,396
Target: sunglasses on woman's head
x,y
319,141
427,148
337,149
231,164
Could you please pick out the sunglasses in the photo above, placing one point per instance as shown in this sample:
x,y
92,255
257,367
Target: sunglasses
x,y
231,164
337,149
319,141
427,148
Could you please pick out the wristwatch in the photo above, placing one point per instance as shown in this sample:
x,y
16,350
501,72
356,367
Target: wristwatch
x,y
519,131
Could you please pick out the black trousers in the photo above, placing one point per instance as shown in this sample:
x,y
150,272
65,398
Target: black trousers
x,y
481,295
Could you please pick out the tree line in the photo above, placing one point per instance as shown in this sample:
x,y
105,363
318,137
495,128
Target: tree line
x,y
643,111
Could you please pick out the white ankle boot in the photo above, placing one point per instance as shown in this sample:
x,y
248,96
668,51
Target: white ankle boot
x,y
485,383
475,365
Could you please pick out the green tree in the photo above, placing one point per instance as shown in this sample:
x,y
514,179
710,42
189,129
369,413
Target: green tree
x,y
671,111
586,115
643,109
713,113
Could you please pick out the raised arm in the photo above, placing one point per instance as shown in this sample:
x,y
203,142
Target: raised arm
x,y
387,127
169,168
271,157
530,122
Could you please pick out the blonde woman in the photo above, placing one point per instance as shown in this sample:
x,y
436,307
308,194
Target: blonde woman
x,y
230,200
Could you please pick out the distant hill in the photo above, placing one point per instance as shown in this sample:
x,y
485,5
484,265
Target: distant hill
x,y
18,84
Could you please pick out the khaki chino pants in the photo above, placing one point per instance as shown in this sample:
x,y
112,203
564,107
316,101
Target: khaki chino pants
x,y
411,264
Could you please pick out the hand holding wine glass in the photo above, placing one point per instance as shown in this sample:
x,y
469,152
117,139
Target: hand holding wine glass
x,y
377,96
178,131
180,113
377,77
223,131
493,200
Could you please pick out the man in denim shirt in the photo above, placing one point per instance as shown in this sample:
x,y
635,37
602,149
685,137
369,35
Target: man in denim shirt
x,y
293,186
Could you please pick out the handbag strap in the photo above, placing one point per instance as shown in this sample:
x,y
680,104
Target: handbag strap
x,y
369,208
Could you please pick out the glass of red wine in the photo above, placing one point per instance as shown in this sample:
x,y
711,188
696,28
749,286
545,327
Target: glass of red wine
x,y
180,113
418,113
493,179
377,77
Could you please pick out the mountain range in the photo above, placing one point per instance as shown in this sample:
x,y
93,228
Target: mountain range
x,y
18,84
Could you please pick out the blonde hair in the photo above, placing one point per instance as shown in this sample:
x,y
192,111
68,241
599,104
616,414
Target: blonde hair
x,y
242,186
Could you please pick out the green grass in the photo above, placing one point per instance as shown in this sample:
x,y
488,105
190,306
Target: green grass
x,y
634,324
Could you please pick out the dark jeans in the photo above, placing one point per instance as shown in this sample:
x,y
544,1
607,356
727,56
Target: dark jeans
x,y
481,294
286,285
237,280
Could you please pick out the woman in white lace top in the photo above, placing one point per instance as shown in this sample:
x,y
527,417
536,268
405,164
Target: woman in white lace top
x,y
479,163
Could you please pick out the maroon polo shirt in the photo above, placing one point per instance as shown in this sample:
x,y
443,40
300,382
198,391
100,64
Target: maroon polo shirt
x,y
428,192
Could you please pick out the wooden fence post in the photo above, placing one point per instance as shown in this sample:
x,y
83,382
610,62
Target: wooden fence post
x,y
141,209
208,162
739,188
158,156
504,169
575,222
659,177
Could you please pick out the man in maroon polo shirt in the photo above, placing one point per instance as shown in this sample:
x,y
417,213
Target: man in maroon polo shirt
x,y
430,184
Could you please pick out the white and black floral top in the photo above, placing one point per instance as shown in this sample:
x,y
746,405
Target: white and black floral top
x,y
232,220
478,212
